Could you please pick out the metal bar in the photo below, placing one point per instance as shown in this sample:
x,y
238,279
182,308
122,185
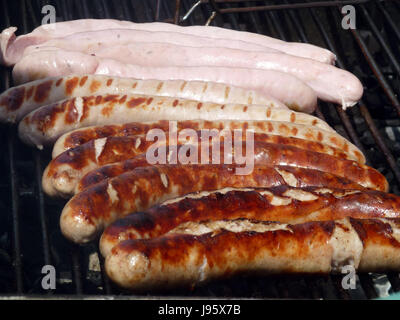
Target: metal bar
x,y
177,10
184,7
277,25
383,43
292,6
105,9
364,111
83,10
158,10
106,280
42,214
376,70
66,15
343,116
166,8
147,10
125,11
15,209
388,18
76,269
38,171
380,141
17,261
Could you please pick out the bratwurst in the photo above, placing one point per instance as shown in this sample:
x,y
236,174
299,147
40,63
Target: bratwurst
x,y
195,252
18,101
282,204
44,125
91,210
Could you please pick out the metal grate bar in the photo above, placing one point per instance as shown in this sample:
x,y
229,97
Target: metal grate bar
x,y
281,6
83,10
345,120
15,209
343,116
126,11
376,70
66,11
36,155
366,281
382,42
76,268
17,261
389,20
364,111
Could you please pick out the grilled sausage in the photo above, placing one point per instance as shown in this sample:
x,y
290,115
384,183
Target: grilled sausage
x,y
282,204
88,212
63,173
18,101
114,169
198,252
325,136
46,124
308,176
11,47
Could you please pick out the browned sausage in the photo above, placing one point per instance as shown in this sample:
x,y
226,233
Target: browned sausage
x,y
63,173
46,124
286,129
198,252
18,101
88,212
265,153
284,204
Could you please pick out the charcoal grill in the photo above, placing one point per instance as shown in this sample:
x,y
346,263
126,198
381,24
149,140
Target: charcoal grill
x,y
29,232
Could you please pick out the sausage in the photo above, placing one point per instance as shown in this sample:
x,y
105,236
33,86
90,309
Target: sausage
x,y
63,173
308,176
330,83
282,204
286,88
18,101
93,42
46,124
88,212
311,132
197,252
79,30
116,168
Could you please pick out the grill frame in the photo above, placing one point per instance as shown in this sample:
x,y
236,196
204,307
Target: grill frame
x,y
277,287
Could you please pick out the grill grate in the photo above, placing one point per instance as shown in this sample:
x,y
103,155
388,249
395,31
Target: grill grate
x,y
29,232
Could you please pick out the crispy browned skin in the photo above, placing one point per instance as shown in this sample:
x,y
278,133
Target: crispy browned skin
x,y
125,147
88,212
64,172
118,148
266,154
311,134
307,176
284,204
187,259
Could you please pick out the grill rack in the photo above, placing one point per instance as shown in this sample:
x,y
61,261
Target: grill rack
x,y
23,200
